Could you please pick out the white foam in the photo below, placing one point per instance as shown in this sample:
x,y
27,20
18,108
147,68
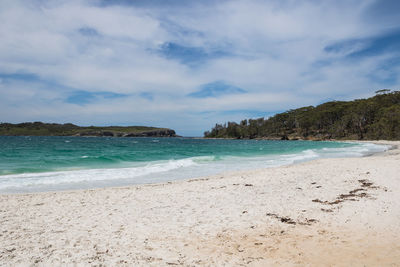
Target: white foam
x,y
27,180
169,170
359,150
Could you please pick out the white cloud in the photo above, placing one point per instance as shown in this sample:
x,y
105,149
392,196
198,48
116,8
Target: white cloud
x,y
271,49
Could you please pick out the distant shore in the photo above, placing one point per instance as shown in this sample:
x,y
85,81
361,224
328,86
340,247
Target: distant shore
x,y
320,213
69,129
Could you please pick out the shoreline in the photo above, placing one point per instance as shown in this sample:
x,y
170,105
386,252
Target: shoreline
x,y
229,172
324,212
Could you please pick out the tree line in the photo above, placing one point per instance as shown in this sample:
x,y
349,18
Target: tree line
x,y
374,118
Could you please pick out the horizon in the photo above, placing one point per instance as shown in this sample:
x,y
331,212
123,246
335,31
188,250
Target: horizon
x,y
378,92
187,66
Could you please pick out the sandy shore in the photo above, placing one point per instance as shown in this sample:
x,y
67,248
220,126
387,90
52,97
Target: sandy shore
x,y
328,212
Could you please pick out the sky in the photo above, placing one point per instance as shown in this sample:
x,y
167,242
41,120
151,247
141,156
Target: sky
x,y
187,65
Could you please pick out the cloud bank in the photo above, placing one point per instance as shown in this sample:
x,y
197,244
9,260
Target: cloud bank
x,y
190,64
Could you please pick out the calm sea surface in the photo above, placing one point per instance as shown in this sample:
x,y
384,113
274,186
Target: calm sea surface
x,y
30,164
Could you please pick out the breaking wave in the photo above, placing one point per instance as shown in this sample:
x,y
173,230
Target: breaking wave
x,y
162,171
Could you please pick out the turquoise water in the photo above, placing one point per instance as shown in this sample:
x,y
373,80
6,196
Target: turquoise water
x,y
57,163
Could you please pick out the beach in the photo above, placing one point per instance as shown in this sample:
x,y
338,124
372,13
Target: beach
x,y
326,212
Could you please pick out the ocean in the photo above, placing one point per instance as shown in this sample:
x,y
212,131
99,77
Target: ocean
x,y
36,164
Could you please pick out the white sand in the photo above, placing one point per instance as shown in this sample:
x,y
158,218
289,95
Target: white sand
x,y
257,218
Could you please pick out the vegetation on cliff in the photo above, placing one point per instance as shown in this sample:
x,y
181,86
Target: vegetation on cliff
x,y
68,129
374,118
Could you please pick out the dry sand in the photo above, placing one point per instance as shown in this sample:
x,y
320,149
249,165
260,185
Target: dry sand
x,y
328,212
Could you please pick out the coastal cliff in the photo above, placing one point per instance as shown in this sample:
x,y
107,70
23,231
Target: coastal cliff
x,y
69,129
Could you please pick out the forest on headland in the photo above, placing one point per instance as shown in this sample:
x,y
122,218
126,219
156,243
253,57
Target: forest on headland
x,y
69,129
374,118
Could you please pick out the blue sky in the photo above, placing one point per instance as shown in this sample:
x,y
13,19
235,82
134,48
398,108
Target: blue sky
x,y
190,64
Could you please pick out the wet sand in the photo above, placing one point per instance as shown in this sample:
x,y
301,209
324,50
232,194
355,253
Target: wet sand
x,y
327,212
